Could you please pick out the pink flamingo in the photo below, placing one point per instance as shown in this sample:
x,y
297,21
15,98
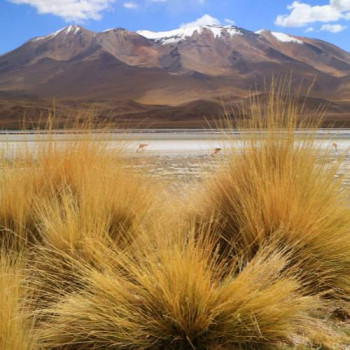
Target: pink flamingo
x,y
217,150
141,147
335,145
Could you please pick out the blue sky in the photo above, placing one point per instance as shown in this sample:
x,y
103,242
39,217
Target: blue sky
x,y
21,20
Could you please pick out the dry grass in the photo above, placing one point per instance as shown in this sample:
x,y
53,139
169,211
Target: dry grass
x,y
263,262
16,324
64,195
281,185
175,294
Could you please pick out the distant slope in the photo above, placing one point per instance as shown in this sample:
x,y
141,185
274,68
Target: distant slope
x,y
166,72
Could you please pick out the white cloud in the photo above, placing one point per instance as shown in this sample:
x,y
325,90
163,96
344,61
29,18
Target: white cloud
x,y
229,21
201,2
302,14
70,10
341,5
178,5
130,5
333,28
203,21
309,29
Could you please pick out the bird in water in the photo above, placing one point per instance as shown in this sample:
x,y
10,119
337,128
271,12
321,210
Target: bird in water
x,y
141,147
217,150
335,146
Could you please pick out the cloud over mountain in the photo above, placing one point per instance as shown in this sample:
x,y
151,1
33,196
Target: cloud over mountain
x,y
302,14
203,21
70,10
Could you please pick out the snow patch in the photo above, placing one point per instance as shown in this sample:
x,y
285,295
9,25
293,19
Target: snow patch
x,y
233,31
177,35
284,38
72,29
261,31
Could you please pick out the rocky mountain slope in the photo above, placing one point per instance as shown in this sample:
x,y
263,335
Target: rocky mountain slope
x,y
148,74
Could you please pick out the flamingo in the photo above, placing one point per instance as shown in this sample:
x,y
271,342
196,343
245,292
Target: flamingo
x,y
335,145
217,150
141,147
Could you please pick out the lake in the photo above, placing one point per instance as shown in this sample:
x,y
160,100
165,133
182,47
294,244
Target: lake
x,y
170,154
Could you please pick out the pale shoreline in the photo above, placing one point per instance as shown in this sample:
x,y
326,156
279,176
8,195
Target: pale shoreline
x,y
160,142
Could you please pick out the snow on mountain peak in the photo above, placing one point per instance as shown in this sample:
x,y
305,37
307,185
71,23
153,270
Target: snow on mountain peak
x,y
71,29
182,33
284,38
177,35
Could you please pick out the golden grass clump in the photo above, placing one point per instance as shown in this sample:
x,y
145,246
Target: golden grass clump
x,y
263,262
177,295
65,194
16,323
280,185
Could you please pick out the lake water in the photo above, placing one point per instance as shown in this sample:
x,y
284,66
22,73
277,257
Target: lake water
x,y
169,154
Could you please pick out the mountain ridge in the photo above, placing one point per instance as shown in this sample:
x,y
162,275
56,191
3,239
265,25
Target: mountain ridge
x,y
172,68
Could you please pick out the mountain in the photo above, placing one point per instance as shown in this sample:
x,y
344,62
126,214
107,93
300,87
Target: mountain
x,y
174,77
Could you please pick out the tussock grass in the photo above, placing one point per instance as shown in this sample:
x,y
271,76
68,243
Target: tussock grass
x,y
281,186
177,295
65,194
16,323
262,263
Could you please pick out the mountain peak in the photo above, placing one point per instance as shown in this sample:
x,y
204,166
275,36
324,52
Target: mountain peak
x,y
177,35
119,29
69,30
282,37
187,69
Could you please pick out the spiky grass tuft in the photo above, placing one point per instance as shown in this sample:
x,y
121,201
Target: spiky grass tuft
x,y
61,195
281,186
175,294
16,323
264,265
